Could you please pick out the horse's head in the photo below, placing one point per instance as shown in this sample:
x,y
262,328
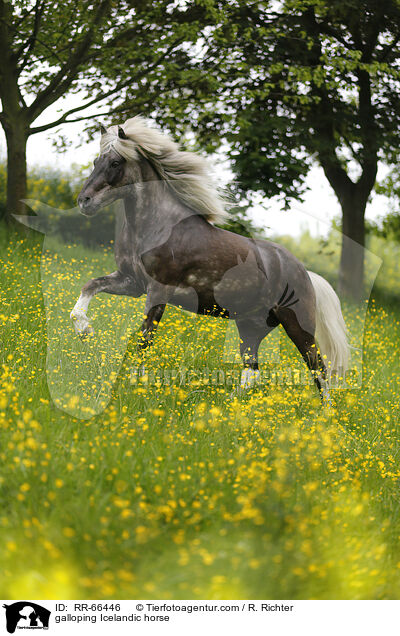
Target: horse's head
x,y
109,179
137,153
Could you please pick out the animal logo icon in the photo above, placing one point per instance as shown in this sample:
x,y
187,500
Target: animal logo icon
x,y
26,615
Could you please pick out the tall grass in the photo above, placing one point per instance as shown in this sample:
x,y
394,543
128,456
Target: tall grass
x,y
177,486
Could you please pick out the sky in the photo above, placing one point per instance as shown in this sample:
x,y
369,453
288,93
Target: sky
x,y
316,213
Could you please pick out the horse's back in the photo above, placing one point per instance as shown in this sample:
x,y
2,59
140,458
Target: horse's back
x,y
277,263
282,264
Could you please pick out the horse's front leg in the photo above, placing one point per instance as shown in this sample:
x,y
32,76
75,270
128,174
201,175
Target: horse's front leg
x,y
251,332
115,283
157,298
150,323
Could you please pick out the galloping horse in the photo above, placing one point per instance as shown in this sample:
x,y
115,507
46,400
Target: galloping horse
x,y
170,249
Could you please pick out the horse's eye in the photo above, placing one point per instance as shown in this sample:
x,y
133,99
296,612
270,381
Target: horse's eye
x,y
115,164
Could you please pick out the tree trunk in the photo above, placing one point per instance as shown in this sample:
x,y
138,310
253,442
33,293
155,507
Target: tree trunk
x,y
351,272
16,136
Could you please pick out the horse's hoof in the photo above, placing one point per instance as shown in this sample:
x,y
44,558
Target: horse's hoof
x,y
82,326
86,333
250,377
143,344
328,409
239,392
326,398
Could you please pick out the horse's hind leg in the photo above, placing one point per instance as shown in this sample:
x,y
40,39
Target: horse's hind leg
x,y
305,342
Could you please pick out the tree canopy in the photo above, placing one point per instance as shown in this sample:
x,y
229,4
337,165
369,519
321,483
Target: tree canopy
x,y
282,84
305,81
121,57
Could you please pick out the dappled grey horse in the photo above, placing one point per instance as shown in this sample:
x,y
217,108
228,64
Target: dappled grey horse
x,y
170,249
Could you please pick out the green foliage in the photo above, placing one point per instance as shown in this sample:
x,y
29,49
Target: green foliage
x,y
125,55
3,189
322,255
240,224
55,187
59,189
123,58
389,226
239,221
299,81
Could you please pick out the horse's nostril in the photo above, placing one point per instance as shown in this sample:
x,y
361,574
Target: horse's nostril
x,y
83,201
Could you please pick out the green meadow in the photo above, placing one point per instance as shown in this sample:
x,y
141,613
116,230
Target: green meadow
x,y
127,475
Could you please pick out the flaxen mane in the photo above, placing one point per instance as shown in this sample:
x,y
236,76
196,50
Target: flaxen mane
x,y
187,173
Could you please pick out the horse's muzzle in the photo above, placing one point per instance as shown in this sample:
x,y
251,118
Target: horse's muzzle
x,y
87,205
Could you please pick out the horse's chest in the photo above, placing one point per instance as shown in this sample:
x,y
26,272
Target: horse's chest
x,y
162,266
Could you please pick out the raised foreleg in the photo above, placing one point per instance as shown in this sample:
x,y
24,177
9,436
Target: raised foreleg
x,y
115,283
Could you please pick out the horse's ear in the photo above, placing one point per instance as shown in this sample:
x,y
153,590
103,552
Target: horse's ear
x,y
121,133
103,130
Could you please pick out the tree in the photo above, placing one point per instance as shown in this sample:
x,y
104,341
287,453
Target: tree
x,y
122,56
303,81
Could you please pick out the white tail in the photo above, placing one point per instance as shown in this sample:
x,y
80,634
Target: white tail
x,y
331,330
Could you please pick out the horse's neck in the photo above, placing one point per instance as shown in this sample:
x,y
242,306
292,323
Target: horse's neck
x,y
151,214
